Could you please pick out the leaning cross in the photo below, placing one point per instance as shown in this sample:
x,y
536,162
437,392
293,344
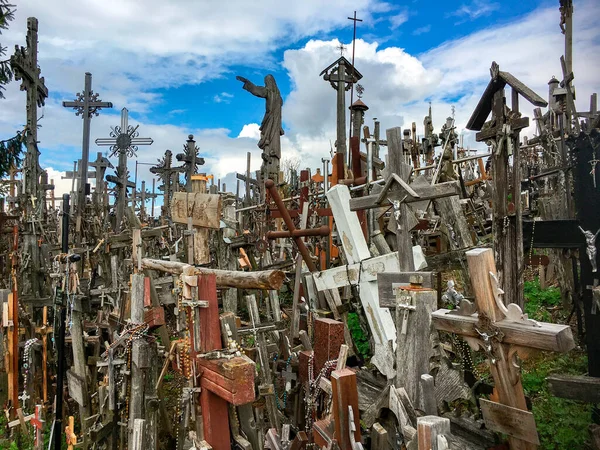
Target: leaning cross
x,y
503,333
86,105
123,140
289,376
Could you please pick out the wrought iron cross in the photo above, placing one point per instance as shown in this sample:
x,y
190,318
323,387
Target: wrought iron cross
x,y
85,105
124,138
123,141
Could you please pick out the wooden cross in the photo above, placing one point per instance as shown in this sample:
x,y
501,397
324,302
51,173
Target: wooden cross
x,y
168,175
361,270
24,63
124,141
292,232
502,333
38,424
86,105
502,130
289,376
190,160
70,433
342,76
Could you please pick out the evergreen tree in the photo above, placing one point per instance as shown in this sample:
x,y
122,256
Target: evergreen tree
x,y
7,14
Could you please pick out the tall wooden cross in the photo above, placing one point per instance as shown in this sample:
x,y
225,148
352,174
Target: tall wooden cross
x,y
100,165
86,105
502,131
166,173
25,66
503,333
124,140
341,75
24,63
190,160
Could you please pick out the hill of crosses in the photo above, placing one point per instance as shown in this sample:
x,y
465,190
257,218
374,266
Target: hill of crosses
x,y
405,292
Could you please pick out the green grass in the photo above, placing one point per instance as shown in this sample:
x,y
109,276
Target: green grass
x,y
358,336
561,424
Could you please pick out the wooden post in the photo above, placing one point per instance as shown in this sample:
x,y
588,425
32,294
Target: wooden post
x,y
345,394
431,431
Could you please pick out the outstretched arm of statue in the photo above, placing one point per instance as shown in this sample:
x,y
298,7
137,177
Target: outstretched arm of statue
x,y
259,91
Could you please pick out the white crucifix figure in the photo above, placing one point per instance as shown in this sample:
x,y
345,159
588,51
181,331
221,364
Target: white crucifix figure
x,y
361,271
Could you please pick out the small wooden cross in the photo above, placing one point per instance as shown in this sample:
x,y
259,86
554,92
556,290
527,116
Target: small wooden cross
x,y
38,424
70,433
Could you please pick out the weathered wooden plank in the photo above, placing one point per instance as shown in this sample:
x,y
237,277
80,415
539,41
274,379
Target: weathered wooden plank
x,y
547,336
204,209
366,271
508,420
522,89
265,279
580,388
429,192
431,431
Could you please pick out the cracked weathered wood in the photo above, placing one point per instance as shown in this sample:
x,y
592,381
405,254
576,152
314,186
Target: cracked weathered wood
x,y
264,279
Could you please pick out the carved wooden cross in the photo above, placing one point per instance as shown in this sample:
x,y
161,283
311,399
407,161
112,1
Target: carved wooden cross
x,y
124,141
503,333
502,130
24,63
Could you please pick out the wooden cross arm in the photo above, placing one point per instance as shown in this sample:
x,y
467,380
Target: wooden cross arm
x,y
425,193
321,231
230,379
546,336
264,279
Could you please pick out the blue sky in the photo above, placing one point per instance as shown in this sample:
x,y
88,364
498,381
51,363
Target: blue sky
x,y
175,68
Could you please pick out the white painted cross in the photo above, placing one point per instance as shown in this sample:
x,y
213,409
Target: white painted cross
x,y
362,270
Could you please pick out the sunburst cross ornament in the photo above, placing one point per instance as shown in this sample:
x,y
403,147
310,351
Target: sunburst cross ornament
x,y
124,138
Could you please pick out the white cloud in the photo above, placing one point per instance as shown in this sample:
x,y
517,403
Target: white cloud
x,y
250,130
474,10
223,97
398,19
422,30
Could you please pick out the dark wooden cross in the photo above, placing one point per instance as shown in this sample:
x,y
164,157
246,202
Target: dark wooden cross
x,y
167,175
100,165
190,160
24,63
124,141
502,131
502,332
85,105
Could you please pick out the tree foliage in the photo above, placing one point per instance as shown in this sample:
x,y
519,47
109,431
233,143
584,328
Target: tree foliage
x,y
7,14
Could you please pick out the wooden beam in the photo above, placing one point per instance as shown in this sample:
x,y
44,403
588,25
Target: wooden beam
x,y
265,279
580,388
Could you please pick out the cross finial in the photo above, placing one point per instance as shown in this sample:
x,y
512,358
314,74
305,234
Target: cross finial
x,y
359,90
341,48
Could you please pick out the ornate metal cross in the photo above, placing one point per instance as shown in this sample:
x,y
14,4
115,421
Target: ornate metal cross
x,y
123,141
166,174
86,105
191,161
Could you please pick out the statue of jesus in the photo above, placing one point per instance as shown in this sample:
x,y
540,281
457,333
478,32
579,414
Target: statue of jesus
x,y
270,128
